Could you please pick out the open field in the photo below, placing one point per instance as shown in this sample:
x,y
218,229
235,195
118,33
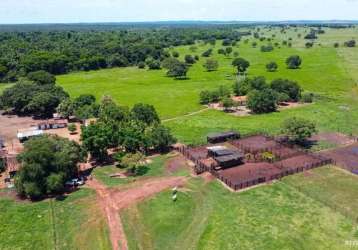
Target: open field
x,y
74,223
326,71
298,213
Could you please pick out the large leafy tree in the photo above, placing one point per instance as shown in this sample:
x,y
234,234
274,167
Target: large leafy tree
x,y
290,88
41,77
47,162
298,130
241,64
145,113
263,101
294,62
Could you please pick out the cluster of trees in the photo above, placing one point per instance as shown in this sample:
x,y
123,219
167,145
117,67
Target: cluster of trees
x,y
135,130
264,97
38,95
176,68
64,50
82,107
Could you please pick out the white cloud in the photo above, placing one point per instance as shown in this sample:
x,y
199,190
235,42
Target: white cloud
x,y
28,11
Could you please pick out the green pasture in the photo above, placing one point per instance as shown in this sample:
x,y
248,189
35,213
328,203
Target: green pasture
x,y
328,72
276,216
73,223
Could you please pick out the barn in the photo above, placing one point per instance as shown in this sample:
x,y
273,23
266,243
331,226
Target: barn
x,y
222,137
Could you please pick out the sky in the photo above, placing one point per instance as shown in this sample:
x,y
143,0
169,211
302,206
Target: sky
x,y
74,11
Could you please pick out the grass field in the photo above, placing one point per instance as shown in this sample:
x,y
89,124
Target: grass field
x,y
278,216
328,72
74,223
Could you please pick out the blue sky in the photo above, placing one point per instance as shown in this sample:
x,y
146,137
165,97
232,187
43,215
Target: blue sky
x,y
52,11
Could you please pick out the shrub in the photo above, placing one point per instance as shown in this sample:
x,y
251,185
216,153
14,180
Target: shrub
x,y
211,65
267,48
307,97
290,88
350,44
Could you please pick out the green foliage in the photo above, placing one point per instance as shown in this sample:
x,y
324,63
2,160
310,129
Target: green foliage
x,y
41,77
133,161
290,88
153,64
293,62
211,65
178,70
241,64
267,48
207,53
271,67
144,113
298,130
47,162
227,102
263,101
307,97
72,128
216,95
189,59
33,99
350,43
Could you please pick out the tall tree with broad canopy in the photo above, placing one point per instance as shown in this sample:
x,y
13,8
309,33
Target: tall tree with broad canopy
x,y
263,101
298,129
145,113
47,163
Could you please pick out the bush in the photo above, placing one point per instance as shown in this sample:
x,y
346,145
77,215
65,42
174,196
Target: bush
x,y
267,48
207,53
141,65
175,54
307,97
211,65
189,59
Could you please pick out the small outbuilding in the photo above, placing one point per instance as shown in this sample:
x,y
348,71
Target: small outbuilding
x,y
228,161
53,124
25,134
223,137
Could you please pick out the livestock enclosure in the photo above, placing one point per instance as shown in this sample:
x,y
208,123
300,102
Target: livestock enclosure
x,y
255,168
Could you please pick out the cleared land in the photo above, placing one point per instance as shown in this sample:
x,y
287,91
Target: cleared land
x,y
73,223
326,71
298,213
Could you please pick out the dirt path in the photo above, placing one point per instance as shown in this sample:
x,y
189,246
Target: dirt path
x,y
113,200
190,114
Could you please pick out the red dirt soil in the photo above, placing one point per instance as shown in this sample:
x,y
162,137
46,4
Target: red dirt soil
x,y
176,163
113,200
346,157
338,139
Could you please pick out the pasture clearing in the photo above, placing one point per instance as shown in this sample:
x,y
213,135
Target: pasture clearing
x,y
73,223
326,71
276,216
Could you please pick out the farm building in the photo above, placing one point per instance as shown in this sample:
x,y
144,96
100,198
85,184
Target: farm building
x,y
53,124
228,161
25,134
222,137
216,151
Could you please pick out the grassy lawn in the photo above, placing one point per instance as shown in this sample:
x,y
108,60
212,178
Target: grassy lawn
x,y
74,223
278,216
326,71
155,168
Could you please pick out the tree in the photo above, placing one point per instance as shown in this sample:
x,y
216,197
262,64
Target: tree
x,y
294,62
72,128
85,99
133,161
41,77
241,64
205,97
298,130
236,54
290,88
207,53
96,139
350,43
336,45
272,67
153,64
178,70
144,113
262,101
170,62
189,59
160,138
267,48
227,103
175,54
109,111
309,45
211,65
228,51
241,87
47,163
42,104
141,65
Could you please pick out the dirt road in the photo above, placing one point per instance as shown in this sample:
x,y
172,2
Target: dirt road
x,y
113,200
